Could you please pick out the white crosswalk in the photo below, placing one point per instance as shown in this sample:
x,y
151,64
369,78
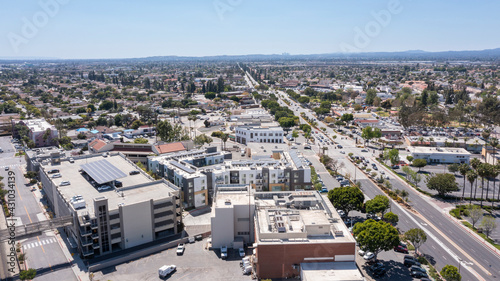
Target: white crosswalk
x,y
40,243
10,166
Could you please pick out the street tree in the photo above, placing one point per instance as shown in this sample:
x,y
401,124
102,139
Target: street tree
x,y
200,140
450,273
442,183
471,178
391,218
417,237
347,198
475,213
376,236
379,204
369,133
394,156
463,169
453,168
488,224
419,163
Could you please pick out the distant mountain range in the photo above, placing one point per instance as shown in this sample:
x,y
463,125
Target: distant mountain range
x,y
419,55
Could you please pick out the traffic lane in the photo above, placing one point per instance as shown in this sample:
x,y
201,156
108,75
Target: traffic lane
x,y
45,255
475,249
27,206
441,257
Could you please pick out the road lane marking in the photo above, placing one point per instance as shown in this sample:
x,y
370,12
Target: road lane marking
x,y
18,193
27,213
43,242
40,244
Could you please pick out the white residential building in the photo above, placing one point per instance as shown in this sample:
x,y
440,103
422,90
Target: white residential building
x,y
246,134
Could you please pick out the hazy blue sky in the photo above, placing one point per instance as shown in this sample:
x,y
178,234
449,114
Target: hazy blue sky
x,y
121,29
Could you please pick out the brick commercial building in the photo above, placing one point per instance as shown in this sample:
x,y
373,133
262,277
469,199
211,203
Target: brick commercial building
x,y
293,228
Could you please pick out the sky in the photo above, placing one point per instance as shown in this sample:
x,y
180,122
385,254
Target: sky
x,y
71,29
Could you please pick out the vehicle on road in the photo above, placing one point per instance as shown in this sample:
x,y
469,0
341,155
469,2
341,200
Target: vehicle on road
x,y
324,190
339,146
165,270
180,249
364,150
342,152
135,172
307,147
6,168
223,252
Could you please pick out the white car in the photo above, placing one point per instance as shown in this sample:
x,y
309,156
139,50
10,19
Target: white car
x,y
56,176
241,251
382,172
361,252
104,187
180,249
223,252
64,183
369,256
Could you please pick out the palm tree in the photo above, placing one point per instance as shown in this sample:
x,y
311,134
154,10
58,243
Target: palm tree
x,y
463,169
494,174
491,172
483,172
224,139
475,164
471,177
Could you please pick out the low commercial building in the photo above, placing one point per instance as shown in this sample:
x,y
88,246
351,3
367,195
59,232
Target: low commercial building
x,y
440,155
36,156
246,134
39,131
114,204
232,217
296,228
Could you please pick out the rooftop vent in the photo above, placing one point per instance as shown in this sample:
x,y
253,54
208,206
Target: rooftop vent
x,y
228,202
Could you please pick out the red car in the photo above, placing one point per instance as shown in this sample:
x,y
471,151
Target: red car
x,y
401,249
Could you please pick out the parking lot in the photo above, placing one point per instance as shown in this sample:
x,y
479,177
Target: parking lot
x,y
197,263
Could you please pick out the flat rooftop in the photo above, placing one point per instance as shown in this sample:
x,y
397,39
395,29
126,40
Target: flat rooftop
x,y
136,188
438,150
301,217
331,271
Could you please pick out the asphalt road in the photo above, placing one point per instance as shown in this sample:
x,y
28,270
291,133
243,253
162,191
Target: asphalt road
x,y
447,242
43,252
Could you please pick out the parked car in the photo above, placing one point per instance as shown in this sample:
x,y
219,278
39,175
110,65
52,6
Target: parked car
x,y
376,266
339,146
64,183
395,167
180,249
342,152
307,147
361,252
165,270
241,251
223,252
364,150
134,172
418,274
324,190
409,262
56,176
104,187
417,268
401,249
369,256
379,272
6,168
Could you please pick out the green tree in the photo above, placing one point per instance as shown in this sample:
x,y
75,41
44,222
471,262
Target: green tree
x,y
369,133
295,134
450,273
136,124
27,274
370,96
409,158
376,236
394,156
442,183
141,140
379,204
346,117
303,99
417,237
475,213
347,198
453,168
391,218
286,122
488,224
202,139
419,163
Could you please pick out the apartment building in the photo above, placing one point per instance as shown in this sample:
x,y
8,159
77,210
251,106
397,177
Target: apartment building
x,y
246,134
296,228
199,172
41,132
114,204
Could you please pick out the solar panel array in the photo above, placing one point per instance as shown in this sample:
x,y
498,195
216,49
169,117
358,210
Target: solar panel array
x,y
296,159
102,171
182,167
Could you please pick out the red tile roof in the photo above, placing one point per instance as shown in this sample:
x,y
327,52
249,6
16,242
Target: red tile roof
x,y
97,144
170,147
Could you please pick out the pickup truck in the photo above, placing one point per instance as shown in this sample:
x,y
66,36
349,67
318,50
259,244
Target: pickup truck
x,y
180,249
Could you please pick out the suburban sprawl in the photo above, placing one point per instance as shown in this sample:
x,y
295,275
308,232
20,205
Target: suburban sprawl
x,y
240,168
